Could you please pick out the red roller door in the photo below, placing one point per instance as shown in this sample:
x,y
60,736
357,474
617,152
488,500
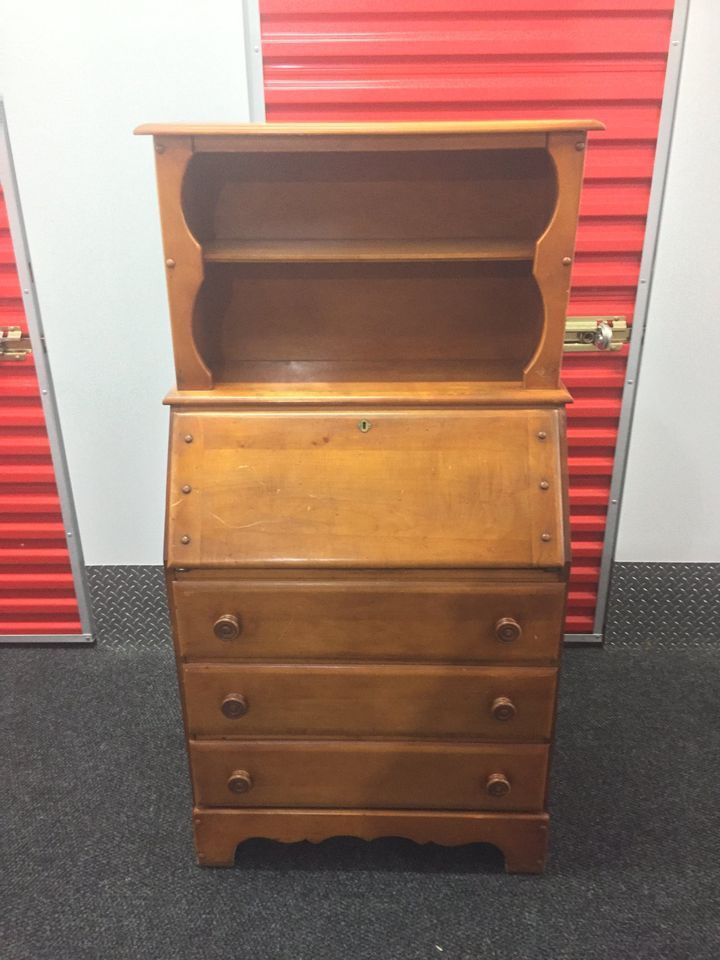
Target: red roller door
x,y
344,60
37,594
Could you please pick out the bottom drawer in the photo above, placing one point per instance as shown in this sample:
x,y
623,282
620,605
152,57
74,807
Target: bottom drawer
x,y
442,776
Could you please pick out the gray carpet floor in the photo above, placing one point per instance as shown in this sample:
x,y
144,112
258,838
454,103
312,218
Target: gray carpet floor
x,y
97,859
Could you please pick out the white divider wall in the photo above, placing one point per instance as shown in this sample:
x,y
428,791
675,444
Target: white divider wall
x,y
76,78
671,503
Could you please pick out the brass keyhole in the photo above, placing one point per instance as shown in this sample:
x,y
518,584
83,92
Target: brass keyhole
x,y
364,426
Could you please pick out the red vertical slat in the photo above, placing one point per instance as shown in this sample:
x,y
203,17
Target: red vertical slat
x,y
37,595
345,60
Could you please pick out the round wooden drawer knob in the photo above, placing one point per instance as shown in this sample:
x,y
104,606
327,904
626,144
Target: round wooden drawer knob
x,y
240,781
497,785
508,630
503,709
227,627
234,705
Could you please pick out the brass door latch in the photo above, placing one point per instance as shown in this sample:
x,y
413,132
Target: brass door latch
x,y
13,345
595,333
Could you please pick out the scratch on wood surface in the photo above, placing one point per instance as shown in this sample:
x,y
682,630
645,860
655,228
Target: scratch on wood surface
x,y
255,478
244,526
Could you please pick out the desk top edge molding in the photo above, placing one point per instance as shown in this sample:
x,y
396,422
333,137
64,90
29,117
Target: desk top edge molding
x,y
365,129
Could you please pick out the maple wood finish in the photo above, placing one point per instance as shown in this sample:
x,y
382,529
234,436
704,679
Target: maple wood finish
x,y
273,489
391,619
329,700
360,774
367,537
521,836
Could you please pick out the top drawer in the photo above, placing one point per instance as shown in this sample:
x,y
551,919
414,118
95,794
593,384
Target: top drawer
x,y
431,621
403,489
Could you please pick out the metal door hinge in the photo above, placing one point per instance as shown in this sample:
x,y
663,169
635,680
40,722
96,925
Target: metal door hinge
x,y
595,333
13,345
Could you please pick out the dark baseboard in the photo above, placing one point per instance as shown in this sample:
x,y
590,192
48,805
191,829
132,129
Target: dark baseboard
x,y
650,605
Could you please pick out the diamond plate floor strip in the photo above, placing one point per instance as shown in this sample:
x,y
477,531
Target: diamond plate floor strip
x,y
130,606
651,605
668,605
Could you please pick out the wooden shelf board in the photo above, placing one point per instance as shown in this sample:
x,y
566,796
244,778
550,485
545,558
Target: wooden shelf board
x,y
387,373
333,251
364,384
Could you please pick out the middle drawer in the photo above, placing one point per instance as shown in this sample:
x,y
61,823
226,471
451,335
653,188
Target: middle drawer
x,y
369,700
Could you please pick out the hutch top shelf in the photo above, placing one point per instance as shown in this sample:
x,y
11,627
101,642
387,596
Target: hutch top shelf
x,y
383,130
431,258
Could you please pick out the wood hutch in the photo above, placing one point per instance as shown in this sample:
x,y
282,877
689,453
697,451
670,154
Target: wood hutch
x,y
367,536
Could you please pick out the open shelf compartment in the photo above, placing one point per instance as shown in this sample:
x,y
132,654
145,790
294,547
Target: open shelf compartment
x,y
353,267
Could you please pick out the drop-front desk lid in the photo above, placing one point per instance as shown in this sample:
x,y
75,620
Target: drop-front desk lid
x,y
346,488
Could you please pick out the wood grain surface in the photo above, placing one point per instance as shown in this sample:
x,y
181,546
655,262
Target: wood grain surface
x,y
371,700
416,489
521,837
362,618
331,773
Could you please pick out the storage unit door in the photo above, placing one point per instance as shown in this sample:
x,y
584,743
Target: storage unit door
x,y
37,590
337,60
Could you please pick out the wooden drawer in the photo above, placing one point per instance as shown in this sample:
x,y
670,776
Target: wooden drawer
x,y
471,703
368,620
412,488
360,774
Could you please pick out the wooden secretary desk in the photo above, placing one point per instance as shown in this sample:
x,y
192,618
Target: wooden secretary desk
x,y
367,535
